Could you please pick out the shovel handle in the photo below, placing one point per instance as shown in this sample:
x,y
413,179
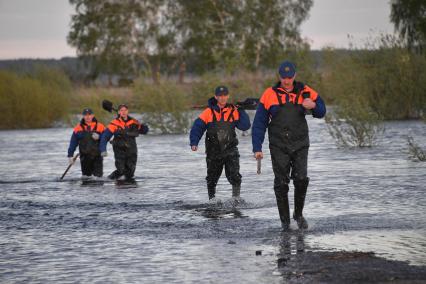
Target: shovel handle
x,y
69,166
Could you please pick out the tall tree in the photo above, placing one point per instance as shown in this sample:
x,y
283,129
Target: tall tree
x,y
409,17
165,34
245,33
117,35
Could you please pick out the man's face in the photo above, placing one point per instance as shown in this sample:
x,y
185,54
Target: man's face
x,y
287,82
222,100
88,118
123,112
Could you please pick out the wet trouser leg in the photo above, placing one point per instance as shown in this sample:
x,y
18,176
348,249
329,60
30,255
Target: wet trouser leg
x,y
98,166
232,171
120,162
86,165
300,179
300,182
300,188
130,165
281,166
214,170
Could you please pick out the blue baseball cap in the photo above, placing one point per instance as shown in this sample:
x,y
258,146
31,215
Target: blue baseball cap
x,y
87,111
287,70
221,91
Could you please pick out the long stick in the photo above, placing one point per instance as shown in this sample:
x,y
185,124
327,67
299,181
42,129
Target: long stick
x,y
70,165
259,166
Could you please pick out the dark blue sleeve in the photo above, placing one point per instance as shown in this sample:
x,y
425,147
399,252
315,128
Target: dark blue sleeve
x,y
144,129
197,131
244,122
73,145
319,111
105,136
260,123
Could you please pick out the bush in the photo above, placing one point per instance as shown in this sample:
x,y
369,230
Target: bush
x,y
387,75
93,97
33,101
165,105
380,81
354,125
416,153
241,85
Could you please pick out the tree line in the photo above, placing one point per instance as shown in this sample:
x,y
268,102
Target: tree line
x,y
131,37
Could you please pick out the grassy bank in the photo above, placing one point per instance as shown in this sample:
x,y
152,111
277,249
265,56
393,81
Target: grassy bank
x,y
381,80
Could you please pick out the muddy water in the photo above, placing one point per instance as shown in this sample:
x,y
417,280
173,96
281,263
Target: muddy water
x,y
162,228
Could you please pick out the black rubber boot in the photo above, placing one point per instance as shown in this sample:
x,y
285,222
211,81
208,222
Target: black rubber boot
x,y
211,192
281,194
236,190
114,175
300,188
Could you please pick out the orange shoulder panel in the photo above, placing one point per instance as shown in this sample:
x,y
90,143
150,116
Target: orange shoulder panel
x,y
77,128
269,98
206,116
236,114
113,125
100,128
312,93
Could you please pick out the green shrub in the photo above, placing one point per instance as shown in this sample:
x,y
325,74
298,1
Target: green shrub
x,y
165,105
93,97
416,153
387,75
33,101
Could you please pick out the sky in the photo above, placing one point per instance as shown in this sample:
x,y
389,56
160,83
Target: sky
x,y
38,28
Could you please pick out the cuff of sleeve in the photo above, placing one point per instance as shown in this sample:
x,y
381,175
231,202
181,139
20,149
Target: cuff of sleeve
x,y
257,149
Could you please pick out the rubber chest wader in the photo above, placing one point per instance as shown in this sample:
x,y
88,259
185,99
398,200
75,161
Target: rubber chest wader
x,y
89,146
288,132
123,141
125,150
221,139
221,136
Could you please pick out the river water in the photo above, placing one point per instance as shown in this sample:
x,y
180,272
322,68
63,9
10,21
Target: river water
x,y
162,228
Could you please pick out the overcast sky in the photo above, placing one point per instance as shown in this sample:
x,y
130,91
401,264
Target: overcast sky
x,y
38,28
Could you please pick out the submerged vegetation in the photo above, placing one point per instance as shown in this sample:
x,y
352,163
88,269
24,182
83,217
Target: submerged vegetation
x,y
416,153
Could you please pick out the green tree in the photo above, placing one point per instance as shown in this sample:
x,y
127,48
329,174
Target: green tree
x,y
409,17
117,35
241,33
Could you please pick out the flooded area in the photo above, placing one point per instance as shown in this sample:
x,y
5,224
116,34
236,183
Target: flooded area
x,y
162,228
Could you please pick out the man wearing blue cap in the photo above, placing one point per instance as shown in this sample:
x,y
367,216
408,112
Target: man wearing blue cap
x,y
86,136
281,110
220,119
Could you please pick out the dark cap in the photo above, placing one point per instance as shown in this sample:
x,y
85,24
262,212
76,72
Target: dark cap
x,y
87,111
122,105
221,91
287,70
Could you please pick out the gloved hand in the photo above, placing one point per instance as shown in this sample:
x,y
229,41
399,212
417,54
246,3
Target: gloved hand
x,y
70,160
95,136
104,154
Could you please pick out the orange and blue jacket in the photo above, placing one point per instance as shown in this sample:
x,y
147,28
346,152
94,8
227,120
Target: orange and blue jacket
x,y
269,106
79,132
239,119
117,126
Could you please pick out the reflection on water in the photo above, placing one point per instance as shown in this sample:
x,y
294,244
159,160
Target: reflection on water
x,y
163,229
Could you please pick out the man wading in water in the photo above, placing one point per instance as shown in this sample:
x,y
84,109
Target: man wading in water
x,y
220,120
282,109
124,129
86,136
